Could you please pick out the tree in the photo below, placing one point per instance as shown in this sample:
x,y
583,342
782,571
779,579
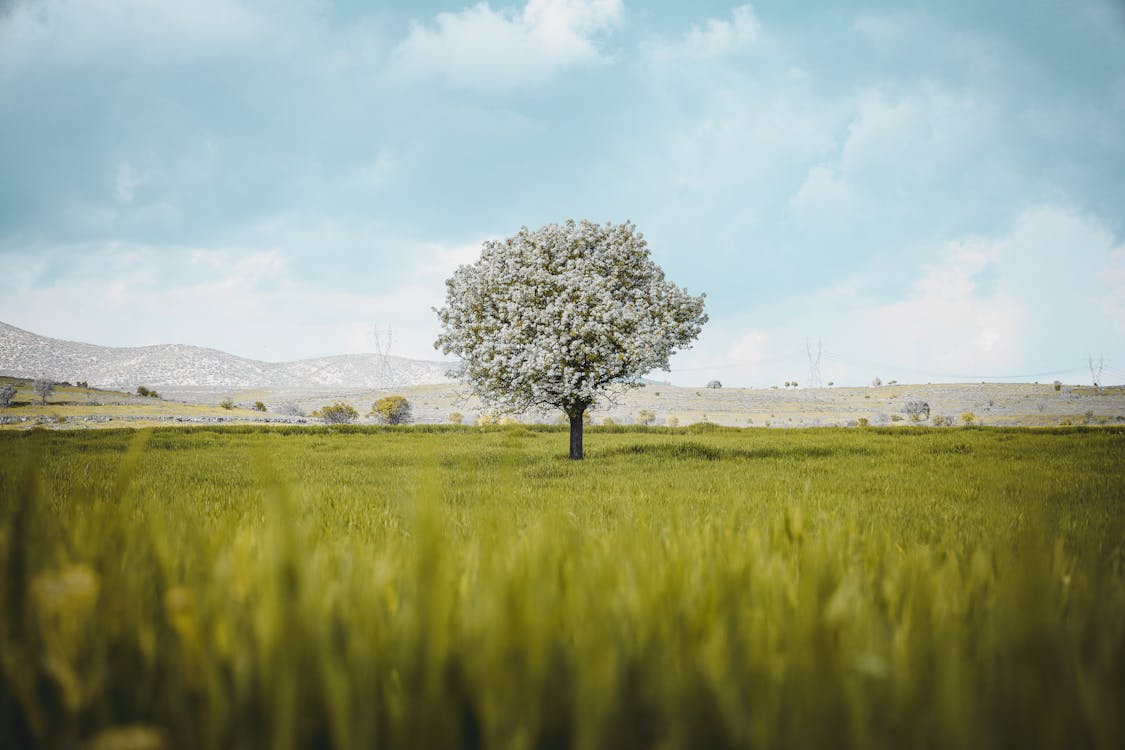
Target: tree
x,y
560,315
714,384
393,410
43,388
7,395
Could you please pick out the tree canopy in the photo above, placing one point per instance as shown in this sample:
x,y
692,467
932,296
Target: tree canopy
x,y
553,317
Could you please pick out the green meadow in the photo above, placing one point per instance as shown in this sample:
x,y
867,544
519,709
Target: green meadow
x,y
472,588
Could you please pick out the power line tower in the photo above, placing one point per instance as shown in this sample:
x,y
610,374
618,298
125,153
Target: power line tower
x,y
384,372
814,362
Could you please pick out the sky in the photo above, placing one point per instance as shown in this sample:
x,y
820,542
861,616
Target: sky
x,y
920,191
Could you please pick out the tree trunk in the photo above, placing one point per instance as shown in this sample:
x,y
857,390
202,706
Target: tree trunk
x,y
576,435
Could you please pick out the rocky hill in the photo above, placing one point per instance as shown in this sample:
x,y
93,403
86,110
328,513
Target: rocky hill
x,y
27,355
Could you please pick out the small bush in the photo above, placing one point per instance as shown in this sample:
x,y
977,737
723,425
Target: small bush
x,y
7,395
393,410
456,418
1058,385
487,420
916,410
940,421
968,418
259,406
646,417
896,417
226,403
714,384
83,384
509,421
147,392
337,413
877,382
861,422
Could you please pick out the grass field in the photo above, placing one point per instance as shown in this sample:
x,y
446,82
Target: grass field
x,y
441,587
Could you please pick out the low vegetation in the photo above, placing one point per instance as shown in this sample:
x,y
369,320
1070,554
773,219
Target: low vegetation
x,y
469,587
337,413
392,410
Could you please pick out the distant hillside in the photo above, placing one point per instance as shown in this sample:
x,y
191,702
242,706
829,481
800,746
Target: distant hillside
x,y
28,355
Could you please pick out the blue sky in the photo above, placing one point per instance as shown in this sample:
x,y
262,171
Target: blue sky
x,y
934,191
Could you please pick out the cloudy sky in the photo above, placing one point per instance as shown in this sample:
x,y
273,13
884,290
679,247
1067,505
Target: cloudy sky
x,y
932,190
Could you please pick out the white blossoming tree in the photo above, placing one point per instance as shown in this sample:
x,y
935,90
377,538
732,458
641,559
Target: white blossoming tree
x,y
558,316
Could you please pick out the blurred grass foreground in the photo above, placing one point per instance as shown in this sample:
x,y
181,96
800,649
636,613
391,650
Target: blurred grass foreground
x,y
468,588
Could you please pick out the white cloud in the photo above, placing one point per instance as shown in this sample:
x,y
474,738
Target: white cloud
x,y
484,49
126,181
1036,298
910,141
99,32
716,38
250,301
824,195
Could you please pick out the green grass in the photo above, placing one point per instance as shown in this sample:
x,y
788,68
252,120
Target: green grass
x,y
443,587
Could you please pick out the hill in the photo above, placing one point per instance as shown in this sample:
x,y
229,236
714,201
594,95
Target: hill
x,y
28,355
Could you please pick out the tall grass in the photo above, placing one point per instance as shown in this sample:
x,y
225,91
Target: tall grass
x,y
360,588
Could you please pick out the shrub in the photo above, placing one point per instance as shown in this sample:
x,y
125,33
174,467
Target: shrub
x,y
830,384
456,418
392,410
714,384
916,410
940,421
226,403
646,417
337,413
877,382
896,417
259,406
7,395
43,388
83,384
147,392
509,421
1058,385
861,422
968,418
